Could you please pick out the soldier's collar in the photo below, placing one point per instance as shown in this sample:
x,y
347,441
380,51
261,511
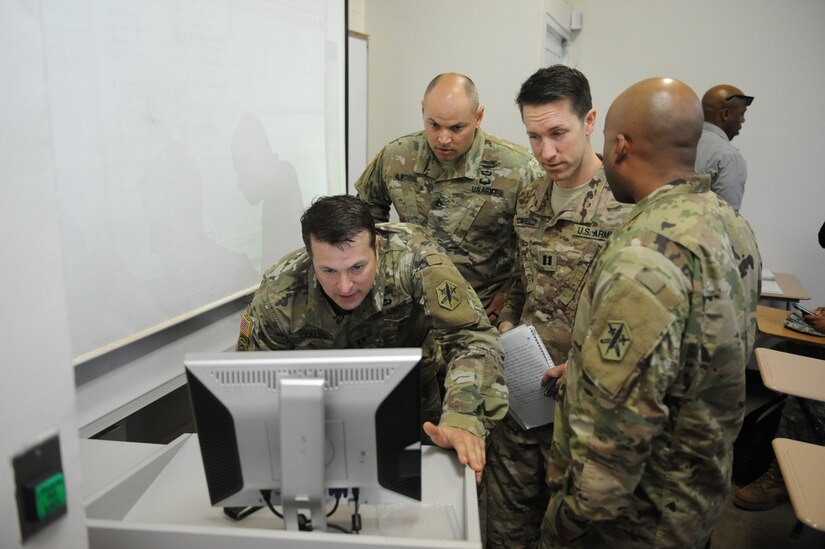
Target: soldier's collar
x,y
688,185
576,211
467,166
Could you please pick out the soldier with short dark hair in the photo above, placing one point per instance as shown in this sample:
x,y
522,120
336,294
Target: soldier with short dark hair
x,y
654,393
561,222
457,182
358,285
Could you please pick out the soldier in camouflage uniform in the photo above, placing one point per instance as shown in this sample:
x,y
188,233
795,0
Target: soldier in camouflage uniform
x,y
562,221
457,182
654,392
356,285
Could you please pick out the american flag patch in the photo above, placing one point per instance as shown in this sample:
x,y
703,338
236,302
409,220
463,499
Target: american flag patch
x,y
246,325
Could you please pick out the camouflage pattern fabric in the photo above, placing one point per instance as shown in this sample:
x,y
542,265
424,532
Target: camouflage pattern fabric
x,y
418,300
554,252
802,425
797,323
654,394
467,207
514,494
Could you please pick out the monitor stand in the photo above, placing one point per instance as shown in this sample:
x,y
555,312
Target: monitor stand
x,y
302,439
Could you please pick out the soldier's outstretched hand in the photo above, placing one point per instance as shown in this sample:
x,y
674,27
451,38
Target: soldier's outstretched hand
x,y
469,448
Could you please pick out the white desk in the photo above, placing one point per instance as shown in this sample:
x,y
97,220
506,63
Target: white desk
x,y
159,499
790,288
796,375
801,466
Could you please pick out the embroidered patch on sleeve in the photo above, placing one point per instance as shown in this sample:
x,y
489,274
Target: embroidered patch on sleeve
x,y
246,325
449,296
615,340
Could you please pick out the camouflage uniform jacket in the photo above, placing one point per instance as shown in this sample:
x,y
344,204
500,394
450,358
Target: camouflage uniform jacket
x,y
554,253
655,391
418,300
467,208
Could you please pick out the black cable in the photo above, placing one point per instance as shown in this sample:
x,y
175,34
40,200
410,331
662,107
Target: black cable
x,y
335,507
356,517
267,496
305,524
340,528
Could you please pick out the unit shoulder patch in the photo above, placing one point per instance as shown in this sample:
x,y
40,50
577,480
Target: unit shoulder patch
x,y
614,340
449,296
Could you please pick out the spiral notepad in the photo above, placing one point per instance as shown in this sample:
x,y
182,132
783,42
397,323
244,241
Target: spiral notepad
x,y
525,361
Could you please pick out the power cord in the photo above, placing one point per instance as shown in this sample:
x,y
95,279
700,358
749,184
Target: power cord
x,y
305,524
356,516
267,497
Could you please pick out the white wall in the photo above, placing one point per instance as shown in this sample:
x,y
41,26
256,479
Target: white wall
x,y
37,391
411,42
771,50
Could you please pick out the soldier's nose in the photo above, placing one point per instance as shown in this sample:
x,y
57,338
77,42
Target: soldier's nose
x,y
344,284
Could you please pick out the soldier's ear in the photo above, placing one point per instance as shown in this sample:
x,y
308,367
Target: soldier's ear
x,y
479,116
622,148
589,122
377,247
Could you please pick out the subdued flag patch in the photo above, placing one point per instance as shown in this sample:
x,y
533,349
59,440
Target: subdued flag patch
x,y
614,341
448,295
246,325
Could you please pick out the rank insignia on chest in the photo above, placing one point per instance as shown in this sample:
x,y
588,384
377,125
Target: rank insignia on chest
x,y
448,295
614,341
547,262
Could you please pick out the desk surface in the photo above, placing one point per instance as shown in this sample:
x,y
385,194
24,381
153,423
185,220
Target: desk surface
x,y
792,374
801,465
163,502
771,321
792,288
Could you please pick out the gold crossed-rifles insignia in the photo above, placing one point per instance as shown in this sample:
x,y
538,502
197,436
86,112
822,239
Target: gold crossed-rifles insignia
x,y
448,295
614,341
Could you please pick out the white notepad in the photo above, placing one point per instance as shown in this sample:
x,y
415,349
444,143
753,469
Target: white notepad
x,y
525,361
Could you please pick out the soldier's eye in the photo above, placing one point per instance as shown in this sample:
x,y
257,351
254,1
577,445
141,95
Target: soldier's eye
x,y
357,268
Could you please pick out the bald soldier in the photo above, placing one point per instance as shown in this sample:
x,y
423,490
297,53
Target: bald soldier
x,y
358,285
457,182
724,109
654,392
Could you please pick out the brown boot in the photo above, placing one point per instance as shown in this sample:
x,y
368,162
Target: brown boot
x,y
763,493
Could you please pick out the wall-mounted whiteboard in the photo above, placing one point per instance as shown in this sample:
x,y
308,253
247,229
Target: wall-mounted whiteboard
x,y
188,137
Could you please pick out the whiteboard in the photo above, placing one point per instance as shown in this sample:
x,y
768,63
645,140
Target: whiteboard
x,y
188,137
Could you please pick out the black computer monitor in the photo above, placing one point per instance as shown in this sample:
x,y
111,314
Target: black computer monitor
x,y
289,426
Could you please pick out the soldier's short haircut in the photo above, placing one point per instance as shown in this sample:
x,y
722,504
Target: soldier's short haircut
x,y
550,84
469,88
335,220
